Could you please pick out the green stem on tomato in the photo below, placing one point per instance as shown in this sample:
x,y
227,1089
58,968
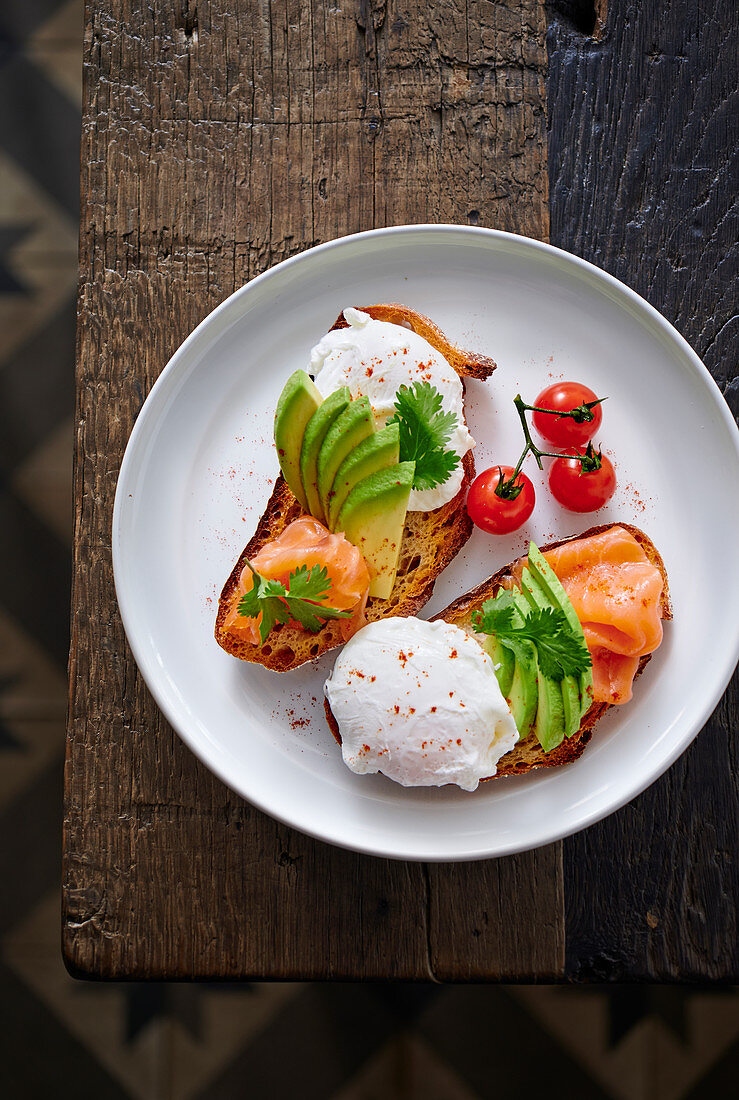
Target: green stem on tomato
x,y
521,408
530,445
581,414
507,489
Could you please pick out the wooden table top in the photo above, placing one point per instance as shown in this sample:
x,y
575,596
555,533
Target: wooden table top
x,y
222,137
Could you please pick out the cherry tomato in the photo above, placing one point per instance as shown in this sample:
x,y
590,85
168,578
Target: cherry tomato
x,y
564,431
495,513
582,490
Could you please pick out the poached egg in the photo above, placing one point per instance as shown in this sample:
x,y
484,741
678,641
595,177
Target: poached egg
x,y
420,702
374,359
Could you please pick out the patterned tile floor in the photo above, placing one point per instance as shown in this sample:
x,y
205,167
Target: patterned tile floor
x,y
344,1042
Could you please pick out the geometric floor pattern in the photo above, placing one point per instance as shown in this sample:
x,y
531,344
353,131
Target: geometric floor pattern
x,y
61,1038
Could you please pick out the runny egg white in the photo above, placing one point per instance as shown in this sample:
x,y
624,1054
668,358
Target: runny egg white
x,y
419,701
374,358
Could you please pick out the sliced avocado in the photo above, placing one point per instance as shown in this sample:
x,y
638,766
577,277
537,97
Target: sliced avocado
x,y
559,700
550,714
539,595
347,432
504,662
315,433
523,694
550,583
373,518
374,453
298,401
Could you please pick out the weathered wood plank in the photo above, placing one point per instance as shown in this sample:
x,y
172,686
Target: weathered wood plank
x,y
476,928
643,145
217,140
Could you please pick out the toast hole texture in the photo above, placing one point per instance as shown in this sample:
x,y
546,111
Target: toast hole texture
x,y
284,655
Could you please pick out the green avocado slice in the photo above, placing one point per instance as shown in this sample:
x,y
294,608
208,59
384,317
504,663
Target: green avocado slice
x,y
373,519
504,662
315,433
550,583
523,694
559,700
376,452
347,432
297,403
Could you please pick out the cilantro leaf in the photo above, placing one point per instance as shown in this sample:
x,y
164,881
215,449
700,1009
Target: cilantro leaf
x,y
559,650
561,653
425,432
309,584
498,615
277,603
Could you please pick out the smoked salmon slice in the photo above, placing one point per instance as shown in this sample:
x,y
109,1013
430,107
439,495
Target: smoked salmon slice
x,y
616,593
306,542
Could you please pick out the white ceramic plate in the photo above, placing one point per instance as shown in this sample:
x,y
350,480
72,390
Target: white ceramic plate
x,y
199,468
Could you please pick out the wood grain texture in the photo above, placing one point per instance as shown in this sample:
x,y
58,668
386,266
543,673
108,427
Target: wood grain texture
x,y
643,154
217,140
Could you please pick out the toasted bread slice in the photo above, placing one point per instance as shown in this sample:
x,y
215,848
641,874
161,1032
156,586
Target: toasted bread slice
x,y
430,540
528,755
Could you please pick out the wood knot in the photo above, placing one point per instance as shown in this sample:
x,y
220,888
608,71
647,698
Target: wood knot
x,y
587,17
189,23
373,126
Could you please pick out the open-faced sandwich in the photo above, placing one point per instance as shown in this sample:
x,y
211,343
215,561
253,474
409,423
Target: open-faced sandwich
x,y
511,676
369,508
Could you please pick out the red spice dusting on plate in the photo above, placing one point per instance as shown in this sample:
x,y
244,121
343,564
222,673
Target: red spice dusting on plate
x,y
453,653
396,708
433,710
634,499
295,722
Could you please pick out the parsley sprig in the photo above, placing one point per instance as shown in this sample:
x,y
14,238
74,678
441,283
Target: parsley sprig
x,y
298,600
560,652
425,432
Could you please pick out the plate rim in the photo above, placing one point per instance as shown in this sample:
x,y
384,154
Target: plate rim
x,y
169,705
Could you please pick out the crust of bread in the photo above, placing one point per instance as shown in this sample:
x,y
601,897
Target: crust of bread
x,y
528,755
430,540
